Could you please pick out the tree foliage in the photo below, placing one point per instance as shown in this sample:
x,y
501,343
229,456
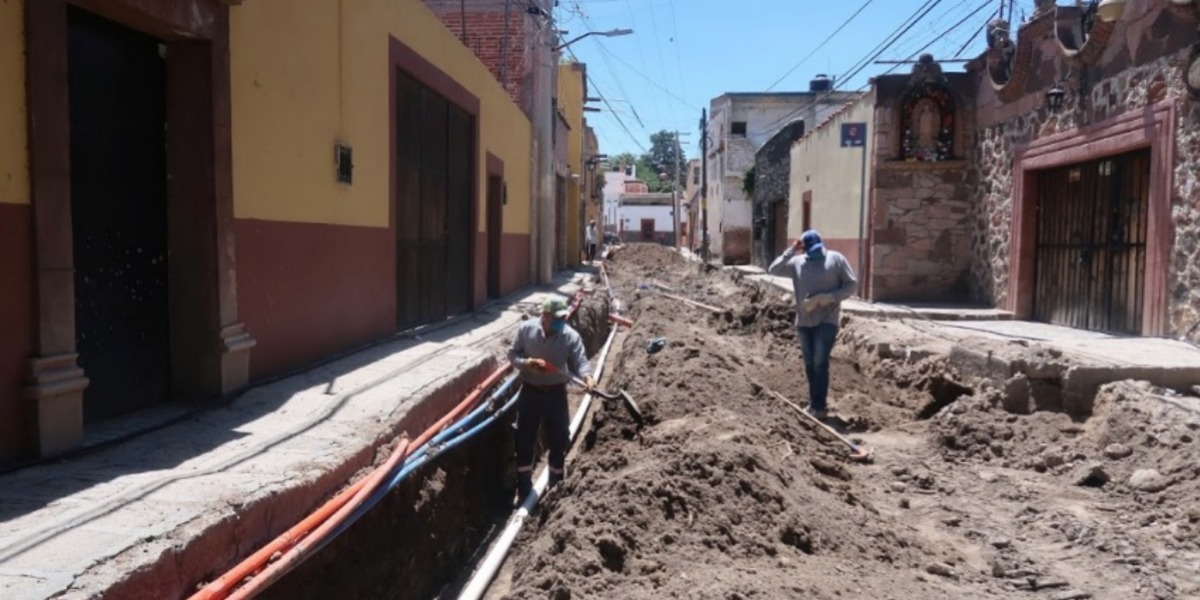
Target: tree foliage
x,y
659,166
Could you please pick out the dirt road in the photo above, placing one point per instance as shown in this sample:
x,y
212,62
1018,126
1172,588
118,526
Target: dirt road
x,y
727,493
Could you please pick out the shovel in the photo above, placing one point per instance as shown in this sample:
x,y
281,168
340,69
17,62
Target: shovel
x,y
857,453
630,406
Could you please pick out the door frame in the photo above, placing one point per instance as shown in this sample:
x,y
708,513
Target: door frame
x,y
210,346
494,235
401,57
1152,126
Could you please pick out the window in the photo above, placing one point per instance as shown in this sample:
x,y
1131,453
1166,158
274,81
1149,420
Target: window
x,y
738,128
695,175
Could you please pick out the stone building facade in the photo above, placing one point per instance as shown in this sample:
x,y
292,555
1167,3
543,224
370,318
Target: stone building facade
x,y
739,124
772,170
922,180
1123,92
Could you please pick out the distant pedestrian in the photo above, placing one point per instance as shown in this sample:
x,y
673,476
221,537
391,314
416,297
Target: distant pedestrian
x,y
821,280
591,241
548,341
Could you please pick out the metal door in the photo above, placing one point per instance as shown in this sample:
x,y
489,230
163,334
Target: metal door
x,y
117,97
433,205
1091,243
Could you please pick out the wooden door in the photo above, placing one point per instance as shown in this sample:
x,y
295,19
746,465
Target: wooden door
x,y
1091,243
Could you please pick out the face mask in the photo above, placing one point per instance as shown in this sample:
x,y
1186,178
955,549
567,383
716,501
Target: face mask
x,y
816,254
557,325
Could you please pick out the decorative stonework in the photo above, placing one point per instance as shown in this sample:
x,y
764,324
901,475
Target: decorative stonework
x,y
921,241
1134,89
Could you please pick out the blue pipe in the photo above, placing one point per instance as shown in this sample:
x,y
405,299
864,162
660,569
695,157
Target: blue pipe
x,y
444,441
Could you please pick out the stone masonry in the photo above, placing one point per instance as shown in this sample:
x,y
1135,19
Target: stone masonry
x,y
922,244
1144,65
772,170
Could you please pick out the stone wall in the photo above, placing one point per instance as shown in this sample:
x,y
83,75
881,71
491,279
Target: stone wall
x,y
1143,65
772,166
921,211
921,250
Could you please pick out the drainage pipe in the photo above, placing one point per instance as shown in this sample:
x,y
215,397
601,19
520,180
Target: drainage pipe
x,y
223,585
495,557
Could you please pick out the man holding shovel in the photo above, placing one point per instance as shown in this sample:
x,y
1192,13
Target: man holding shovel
x,y
546,352
821,280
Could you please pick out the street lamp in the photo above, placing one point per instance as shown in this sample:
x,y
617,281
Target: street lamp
x,y
1054,98
610,33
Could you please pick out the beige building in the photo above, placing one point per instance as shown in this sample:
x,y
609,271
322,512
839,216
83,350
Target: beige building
x,y
825,190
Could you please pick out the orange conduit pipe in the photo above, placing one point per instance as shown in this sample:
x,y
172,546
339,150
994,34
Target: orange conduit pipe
x,y
221,587
619,320
298,553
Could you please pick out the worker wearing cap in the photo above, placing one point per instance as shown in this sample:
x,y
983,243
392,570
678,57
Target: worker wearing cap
x,y
545,353
821,280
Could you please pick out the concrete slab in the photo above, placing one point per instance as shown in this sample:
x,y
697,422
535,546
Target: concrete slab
x,y
883,310
163,510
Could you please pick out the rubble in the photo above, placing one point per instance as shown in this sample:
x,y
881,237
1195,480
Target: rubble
x,y
984,486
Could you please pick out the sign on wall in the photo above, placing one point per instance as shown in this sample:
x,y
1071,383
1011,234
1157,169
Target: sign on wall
x,y
854,135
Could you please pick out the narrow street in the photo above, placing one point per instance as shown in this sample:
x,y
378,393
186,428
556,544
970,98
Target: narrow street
x,y
727,493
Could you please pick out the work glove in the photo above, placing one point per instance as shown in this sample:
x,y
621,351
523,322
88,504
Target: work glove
x,y
535,364
589,382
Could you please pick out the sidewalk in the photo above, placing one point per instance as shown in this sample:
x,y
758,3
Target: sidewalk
x,y
883,310
151,517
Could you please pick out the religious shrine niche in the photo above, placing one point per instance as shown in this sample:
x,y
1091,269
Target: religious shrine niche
x,y
927,115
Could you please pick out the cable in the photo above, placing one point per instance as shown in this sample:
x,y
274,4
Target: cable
x,y
975,35
875,53
821,45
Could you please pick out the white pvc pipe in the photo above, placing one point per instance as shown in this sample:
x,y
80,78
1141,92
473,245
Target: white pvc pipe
x,y
495,557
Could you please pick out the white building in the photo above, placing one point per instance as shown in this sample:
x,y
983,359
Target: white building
x,y
618,180
739,124
645,217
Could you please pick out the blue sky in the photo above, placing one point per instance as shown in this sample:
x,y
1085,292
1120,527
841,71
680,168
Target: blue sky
x,y
683,53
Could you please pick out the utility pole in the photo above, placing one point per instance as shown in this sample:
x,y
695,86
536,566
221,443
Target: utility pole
x,y
704,185
543,118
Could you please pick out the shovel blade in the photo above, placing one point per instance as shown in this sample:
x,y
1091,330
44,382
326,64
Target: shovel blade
x,y
632,407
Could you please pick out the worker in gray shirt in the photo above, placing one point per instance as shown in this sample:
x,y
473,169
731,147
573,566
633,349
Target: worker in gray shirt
x,y
821,280
545,352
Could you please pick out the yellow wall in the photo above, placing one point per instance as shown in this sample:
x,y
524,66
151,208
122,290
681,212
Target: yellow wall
x,y
307,73
14,162
570,102
832,173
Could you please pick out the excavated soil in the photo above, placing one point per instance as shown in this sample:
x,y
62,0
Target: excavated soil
x,y
727,493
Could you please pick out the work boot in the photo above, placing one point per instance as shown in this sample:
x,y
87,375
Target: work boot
x,y
817,414
555,479
524,486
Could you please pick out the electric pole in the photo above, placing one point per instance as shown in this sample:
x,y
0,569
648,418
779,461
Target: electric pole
x,y
704,185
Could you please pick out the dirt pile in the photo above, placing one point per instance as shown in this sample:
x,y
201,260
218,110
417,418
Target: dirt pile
x,y
591,321
725,493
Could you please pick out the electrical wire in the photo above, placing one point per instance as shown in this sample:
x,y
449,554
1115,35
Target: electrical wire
x,y
874,54
821,45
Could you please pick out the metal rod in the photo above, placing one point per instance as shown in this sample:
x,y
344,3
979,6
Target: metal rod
x,y
909,62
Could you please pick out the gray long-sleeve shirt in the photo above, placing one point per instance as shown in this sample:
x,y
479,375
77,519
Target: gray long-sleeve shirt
x,y
563,350
832,276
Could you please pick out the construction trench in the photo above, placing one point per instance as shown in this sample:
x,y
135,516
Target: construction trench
x,y
994,473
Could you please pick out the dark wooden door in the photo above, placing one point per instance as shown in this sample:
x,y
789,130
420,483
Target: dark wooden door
x,y
647,230
1091,244
780,217
495,228
117,97
433,205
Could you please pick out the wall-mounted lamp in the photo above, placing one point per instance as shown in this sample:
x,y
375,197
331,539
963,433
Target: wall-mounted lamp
x,y
1054,98
1111,10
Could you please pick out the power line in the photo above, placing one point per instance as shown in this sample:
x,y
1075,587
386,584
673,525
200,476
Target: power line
x,y
821,45
634,70
678,54
975,35
875,53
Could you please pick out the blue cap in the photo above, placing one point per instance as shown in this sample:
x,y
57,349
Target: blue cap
x,y
812,241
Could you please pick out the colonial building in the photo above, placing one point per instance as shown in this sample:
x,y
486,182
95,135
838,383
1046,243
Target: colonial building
x,y
647,217
1086,212
739,124
772,176
372,178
